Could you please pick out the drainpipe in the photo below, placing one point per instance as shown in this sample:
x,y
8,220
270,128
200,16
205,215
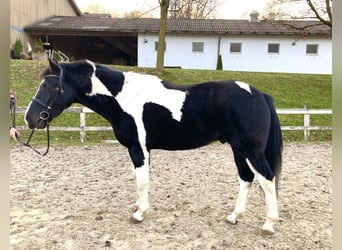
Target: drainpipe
x,y
218,55
219,47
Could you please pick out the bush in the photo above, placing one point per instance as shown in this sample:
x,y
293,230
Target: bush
x,y
17,48
40,42
38,49
219,63
57,56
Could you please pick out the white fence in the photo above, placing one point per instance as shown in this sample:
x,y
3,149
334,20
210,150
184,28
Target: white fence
x,y
51,54
82,128
306,123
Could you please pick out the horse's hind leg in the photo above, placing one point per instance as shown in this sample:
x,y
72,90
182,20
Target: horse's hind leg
x,y
245,179
259,166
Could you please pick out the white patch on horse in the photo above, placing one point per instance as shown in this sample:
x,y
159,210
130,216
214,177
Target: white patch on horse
x,y
241,202
97,87
271,199
140,89
244,86
142,180
29,106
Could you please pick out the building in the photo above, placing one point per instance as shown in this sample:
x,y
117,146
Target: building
x,y
244,45
23,12
268,46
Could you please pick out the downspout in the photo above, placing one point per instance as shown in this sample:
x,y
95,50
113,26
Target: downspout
x,y
218,47
219,65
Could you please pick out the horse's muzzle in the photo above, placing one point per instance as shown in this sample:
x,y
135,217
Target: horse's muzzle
x,y
36,124
41,124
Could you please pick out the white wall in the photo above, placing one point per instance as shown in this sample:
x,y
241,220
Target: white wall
x,y
291,58
178,52
253,56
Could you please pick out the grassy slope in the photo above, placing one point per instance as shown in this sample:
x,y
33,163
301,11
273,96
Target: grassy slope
x,y
288,91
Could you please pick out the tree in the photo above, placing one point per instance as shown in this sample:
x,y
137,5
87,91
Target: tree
x,y
95,8
321,12
300,9
193,9
164,6
134,14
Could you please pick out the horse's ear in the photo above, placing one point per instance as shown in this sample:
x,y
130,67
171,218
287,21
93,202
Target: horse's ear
x,y
54,67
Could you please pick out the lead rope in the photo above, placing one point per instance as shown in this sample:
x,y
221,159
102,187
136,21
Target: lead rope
x,y
26,144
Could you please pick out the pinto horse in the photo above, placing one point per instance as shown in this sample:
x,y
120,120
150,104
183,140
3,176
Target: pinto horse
x,y
148,113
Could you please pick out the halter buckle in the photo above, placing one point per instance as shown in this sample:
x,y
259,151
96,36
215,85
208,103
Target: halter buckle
x,y
44,115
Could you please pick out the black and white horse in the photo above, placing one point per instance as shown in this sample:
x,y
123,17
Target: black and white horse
x,y
147,113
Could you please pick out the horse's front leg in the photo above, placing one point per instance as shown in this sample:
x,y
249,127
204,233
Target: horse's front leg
x,y
140,158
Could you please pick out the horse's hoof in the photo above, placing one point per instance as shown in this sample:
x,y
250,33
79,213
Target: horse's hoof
x,y
138,216
134,221
267,229
232,219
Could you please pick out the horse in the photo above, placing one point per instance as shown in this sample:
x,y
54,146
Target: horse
x,y
148,113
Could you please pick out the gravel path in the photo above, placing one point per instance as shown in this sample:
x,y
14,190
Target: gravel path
x,y
82,198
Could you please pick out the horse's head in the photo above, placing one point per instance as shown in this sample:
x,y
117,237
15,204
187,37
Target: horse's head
x,y
66,83
50,99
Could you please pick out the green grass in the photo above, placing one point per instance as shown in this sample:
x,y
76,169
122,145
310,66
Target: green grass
x,y
288,91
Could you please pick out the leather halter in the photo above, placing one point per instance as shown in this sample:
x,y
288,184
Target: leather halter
x,y
44,115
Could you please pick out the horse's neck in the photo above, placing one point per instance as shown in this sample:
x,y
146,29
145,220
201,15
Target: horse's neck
x,y
105,108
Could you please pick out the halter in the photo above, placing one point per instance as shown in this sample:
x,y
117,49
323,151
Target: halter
x,y
44,115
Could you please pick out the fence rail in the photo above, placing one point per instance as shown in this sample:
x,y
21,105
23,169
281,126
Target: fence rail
x,y
83,128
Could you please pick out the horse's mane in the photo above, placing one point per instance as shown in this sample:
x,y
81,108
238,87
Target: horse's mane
x,y
45,72
168,85
49,70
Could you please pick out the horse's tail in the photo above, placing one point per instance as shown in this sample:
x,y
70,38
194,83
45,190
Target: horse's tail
x,y
274,146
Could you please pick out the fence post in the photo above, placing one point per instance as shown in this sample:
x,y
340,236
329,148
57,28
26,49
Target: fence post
x,y
306,123
82,126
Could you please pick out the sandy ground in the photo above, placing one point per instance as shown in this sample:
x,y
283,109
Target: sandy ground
x,y
82,198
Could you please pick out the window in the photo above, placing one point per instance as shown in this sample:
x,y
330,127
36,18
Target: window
x,y
235,47
312,49
273,48
197,47
156,46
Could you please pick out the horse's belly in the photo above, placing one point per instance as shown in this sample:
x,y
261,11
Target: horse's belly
x,y
180,138
163,131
